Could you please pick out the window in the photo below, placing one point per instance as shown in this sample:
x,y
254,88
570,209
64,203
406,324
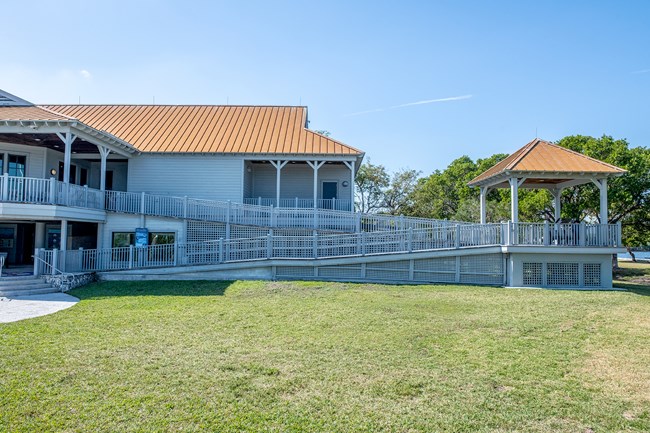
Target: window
x,y
17,164
161,238
123,239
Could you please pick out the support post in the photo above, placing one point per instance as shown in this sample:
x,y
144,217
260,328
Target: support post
x,y
315,165
350,165
410,240
64,242
130,256
278,167
315,245
55,261
457,243
514,199
484,191
269,246
603,201
37,263
103,153
547,239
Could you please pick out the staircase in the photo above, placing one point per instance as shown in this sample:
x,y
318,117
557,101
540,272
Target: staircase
x,y
24,286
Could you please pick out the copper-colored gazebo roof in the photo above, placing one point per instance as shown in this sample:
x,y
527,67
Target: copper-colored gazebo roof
x,y
541,162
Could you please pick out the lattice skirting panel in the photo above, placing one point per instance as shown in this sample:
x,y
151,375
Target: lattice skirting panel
x,y
473,269
562,274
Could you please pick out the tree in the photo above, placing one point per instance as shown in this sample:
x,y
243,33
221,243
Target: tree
x,y
398,195
380,192
371,181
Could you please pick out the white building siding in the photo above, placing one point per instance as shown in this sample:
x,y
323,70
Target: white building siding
x,y
35,157
200,176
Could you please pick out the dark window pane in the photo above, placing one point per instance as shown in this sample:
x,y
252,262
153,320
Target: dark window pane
x,y
121,239
17,165
161,238
83,176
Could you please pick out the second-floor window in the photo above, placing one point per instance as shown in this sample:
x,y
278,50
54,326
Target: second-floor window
x,y
17,165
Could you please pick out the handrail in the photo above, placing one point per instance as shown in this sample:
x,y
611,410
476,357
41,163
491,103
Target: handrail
x,y
52,191
338,245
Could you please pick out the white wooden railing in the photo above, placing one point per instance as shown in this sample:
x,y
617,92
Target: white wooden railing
x,y
51,191
334,203
328,246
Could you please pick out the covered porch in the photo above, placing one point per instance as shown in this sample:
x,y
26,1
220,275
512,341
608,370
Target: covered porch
x,y
326,183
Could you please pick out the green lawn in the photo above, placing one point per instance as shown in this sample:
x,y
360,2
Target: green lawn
x,y
285,356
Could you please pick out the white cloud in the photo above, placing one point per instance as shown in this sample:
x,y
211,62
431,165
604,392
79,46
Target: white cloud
x,y
84,73
409,104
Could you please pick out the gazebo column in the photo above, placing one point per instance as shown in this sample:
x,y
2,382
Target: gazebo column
x,y
557,204
278,167
602,186
484,191
315,165
514,198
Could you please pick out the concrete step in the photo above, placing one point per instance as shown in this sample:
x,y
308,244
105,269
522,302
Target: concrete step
x,y
18,284
24,286
27,292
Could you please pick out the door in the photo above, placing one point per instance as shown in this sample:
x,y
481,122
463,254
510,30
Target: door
x,y
330,191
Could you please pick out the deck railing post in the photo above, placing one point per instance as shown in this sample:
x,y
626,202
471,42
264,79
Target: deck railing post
x,y
315,245
37,263
52,191
618,242
221,258
546,235
363,243
259,201
410,240
5,187
509,237
142,204
269,246
581,234
85,195
358,221
457,243
55,261
130,256
315,217
228,211
175,252
185,206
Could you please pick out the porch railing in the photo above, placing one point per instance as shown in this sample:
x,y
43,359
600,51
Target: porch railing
x,y
328,246
334,203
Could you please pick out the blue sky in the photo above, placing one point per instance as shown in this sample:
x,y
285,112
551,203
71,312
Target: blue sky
x,y
413,84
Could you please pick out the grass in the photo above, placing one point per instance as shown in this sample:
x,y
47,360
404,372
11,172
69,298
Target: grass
x,y
298,356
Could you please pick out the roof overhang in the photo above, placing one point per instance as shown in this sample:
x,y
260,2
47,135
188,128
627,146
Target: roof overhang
x,y
542,179
92,135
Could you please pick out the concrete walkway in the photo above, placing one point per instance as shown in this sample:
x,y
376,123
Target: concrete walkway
x,y
25,307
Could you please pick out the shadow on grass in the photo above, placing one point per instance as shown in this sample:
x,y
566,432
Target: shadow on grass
x,y
638,289
151,288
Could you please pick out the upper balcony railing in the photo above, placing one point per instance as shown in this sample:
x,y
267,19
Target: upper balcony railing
x,y
302,203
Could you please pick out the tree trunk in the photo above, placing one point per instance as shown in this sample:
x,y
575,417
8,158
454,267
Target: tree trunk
x,y
629,251
614,261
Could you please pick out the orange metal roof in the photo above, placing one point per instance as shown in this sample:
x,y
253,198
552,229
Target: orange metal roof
x,y
208,128
27,113
540,156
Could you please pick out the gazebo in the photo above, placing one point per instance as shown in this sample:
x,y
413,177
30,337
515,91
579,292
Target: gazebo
x,y
540,164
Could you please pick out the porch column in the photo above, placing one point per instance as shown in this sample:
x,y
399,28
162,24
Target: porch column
x,y
39,235
278,167
350,165
484,191
103,152
68,138
64,242
315,165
